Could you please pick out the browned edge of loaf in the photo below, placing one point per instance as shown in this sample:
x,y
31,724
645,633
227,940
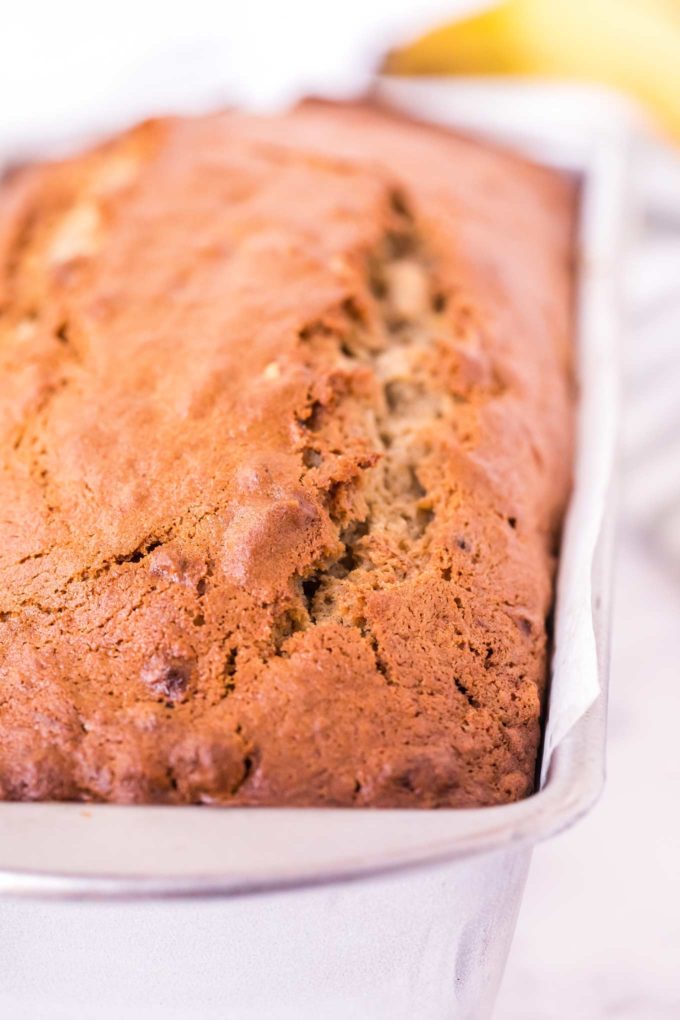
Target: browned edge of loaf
x,y
285,441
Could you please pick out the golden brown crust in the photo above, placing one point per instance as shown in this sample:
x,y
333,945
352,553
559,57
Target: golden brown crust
x,y
285,435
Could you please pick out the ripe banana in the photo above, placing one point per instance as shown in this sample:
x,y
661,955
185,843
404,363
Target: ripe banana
x,y
631,45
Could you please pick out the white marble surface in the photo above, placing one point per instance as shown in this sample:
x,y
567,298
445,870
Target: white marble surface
x,y
599,932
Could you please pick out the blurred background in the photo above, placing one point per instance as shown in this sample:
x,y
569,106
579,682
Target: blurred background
x,y
599,932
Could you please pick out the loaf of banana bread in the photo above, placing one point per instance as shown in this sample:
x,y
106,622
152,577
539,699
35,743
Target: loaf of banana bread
x,y
285,444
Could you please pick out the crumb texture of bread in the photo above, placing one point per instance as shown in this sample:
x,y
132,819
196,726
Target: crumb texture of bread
x,y
285,444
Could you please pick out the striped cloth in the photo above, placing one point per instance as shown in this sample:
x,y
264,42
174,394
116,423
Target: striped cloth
x,y
651,411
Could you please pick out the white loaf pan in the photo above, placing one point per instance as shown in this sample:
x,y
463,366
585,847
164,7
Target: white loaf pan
x,y
382,915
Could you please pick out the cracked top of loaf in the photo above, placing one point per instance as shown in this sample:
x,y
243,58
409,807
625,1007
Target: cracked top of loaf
x,y
285,443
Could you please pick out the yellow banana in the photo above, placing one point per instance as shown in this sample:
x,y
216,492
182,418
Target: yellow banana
x,y
632,45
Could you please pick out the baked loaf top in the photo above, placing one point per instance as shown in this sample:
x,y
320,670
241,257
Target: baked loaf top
x,y
285,442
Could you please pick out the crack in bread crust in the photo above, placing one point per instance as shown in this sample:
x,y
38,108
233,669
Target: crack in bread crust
x,y
396,406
